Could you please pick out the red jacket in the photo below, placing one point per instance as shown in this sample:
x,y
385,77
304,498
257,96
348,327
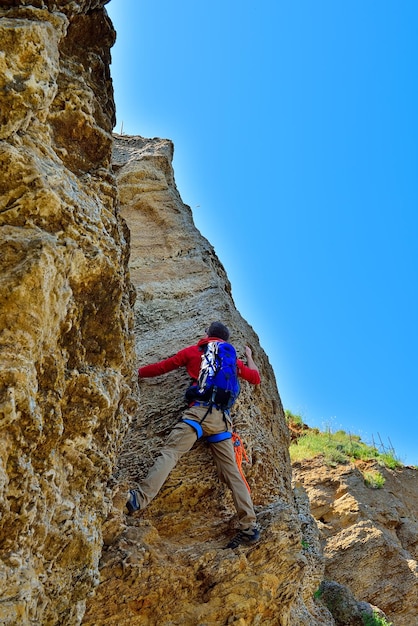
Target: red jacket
x,y
190,358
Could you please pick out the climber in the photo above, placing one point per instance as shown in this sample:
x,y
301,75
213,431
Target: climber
x,y
203,417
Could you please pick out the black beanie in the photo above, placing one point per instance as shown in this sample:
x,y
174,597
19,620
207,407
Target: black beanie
x,y
216,329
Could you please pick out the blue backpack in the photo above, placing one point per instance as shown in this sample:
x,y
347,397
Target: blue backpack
x,y
218,380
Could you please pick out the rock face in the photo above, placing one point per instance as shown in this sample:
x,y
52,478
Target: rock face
x,y
70,343
168,566
66,323
369,536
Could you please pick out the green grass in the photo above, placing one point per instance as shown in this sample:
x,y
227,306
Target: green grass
x,y
336,447
389,460
295,419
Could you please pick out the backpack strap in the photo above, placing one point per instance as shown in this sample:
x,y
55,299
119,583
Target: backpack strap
x,y
210,405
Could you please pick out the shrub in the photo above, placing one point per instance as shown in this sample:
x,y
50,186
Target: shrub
x,y
373,479
375,620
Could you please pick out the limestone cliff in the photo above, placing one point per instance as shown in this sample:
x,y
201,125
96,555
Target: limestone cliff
x,y
66,348
67,365
168,566
70,343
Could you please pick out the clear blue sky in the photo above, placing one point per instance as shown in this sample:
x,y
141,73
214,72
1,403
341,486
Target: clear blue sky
x,y
295,125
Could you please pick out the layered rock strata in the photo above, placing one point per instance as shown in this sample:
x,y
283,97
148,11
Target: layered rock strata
x,y
66,348
168,565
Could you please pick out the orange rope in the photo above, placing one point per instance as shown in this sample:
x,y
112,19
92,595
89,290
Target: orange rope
x,y
239,454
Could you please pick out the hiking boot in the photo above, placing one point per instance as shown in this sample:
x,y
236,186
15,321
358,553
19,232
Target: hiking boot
x,y
244,537
133,503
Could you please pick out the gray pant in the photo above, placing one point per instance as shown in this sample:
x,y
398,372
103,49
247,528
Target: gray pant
x,y
180,441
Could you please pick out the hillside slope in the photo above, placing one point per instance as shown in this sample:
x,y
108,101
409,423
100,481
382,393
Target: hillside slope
x,y
369,535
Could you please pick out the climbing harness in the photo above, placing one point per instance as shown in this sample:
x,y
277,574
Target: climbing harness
x,y
239,450
218,437
195,425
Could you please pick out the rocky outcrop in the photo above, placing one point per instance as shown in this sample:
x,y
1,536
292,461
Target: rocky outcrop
x,y
369,536
66,348
168,566
69,348
346,609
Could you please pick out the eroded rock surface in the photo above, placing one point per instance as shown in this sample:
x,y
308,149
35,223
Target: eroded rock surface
x,y
168,566
369,536
66,348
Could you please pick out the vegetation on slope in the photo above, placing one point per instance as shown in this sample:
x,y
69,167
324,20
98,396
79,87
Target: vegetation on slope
x,y
336,447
